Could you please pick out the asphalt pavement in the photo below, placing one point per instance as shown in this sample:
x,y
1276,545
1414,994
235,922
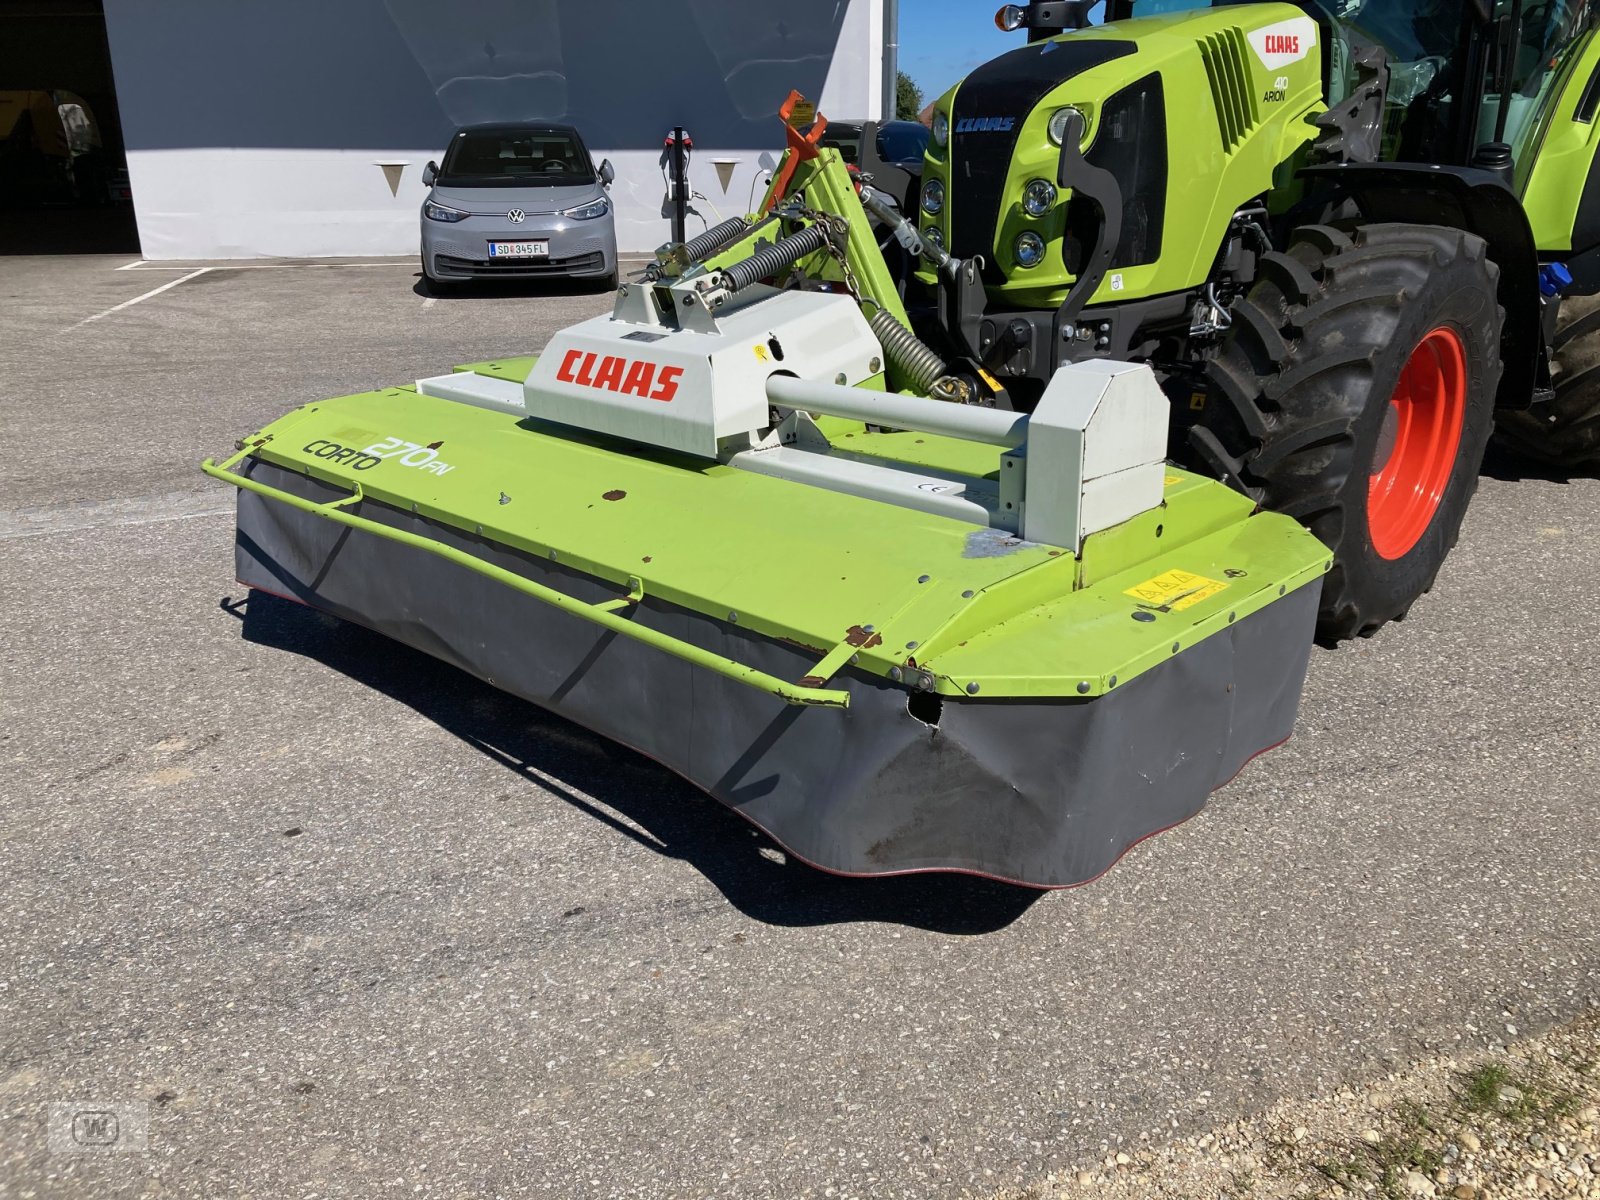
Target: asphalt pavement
x,y
347,923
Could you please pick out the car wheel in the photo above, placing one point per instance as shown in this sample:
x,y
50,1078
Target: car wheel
x,y
436,287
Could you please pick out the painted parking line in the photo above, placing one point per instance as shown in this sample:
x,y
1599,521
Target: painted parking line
x,y
144,265
626,260
77,515
171,283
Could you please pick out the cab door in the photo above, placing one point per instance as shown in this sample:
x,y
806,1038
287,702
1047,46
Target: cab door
x,y
1551,126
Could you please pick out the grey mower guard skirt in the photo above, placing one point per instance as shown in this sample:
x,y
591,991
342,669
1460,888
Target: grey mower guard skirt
x,y
1041,792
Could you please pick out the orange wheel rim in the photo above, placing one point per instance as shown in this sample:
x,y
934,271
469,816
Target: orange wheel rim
x,y
1418,442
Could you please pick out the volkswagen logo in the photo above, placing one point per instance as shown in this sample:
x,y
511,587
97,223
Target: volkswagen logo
x,y
516,216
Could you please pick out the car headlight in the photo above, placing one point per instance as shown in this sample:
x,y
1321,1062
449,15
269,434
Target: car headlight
x,y
589,211
1038,196
932,196
438,212
941,129
1029,249
1058,123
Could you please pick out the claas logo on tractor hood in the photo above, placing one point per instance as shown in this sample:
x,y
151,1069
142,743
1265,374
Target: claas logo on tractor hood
x,y
633,377
986,124
1284,42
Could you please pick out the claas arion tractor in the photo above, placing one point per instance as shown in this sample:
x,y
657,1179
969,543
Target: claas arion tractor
x,y
1004,561
1344,236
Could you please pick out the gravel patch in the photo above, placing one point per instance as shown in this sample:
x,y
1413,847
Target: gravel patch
x,y
1521,1121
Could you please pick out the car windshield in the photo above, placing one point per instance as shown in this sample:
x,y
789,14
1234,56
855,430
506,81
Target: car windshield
x,y
515,158
902,141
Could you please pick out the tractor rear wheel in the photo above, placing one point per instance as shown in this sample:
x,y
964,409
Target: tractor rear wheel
x,y
1355,391
1566,433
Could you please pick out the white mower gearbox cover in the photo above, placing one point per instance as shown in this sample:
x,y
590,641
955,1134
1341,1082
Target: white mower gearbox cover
x,y
686,388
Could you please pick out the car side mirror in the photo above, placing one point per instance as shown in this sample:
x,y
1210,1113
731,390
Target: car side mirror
x,y
607,172
430,173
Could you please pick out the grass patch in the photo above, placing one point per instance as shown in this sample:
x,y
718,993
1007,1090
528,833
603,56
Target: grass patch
x,y
1383,1166
1346,1172
1495,1090
1480,1092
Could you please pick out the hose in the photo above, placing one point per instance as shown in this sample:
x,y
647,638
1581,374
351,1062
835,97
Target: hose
x,y
779,256
916,364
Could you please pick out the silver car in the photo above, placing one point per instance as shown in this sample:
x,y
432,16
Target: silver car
x,y
518,202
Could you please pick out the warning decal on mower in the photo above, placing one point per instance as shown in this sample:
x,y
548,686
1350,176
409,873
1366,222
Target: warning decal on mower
x,y
1174,591
1285,42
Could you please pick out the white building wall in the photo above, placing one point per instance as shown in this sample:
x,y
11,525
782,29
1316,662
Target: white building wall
x,y
198,195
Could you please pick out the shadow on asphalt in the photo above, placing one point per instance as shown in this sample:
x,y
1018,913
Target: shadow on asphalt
x,y
500,289
1510,467
677,819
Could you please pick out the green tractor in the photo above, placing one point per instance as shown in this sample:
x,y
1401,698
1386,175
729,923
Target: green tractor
x,y
1352,239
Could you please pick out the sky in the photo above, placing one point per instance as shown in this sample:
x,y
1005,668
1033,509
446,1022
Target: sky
x,y
942,40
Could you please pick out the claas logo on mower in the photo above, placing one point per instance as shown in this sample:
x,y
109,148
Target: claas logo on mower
x,y
633,377
1281,43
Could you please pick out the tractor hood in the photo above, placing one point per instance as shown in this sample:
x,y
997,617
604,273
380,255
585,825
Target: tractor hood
x,y
989,116
1183,118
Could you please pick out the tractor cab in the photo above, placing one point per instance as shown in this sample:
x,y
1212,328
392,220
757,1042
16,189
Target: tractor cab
x,y
1469,82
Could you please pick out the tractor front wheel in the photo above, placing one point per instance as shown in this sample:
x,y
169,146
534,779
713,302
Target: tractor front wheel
x,y
1355,392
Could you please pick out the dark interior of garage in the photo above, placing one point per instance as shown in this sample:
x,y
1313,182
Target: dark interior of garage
x,y
64,185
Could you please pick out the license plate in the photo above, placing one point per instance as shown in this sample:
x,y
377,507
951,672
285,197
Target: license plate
x,y
519,249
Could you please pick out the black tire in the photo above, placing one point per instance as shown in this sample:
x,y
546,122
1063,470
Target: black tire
x,y
436,287
1565,434
1297,408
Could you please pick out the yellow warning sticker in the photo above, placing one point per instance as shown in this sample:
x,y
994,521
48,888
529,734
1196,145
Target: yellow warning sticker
x,y
761,352
1174,591
1171,480
802,114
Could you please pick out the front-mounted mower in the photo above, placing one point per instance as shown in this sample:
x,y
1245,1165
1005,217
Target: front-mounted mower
x,y
1004,565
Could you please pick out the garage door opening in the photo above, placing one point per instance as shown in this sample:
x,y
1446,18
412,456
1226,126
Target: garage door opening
x,y
63,170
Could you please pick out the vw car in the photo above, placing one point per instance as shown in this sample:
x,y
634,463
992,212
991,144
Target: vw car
x,y
517,202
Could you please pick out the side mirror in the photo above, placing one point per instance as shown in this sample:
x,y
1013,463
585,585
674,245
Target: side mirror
x,y
607,172
766,162
430,173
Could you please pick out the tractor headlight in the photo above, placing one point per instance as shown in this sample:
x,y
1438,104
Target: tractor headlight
x,y
438,212
933,196
934,236
589,211
1029,249
1038,196
941,129
1058,123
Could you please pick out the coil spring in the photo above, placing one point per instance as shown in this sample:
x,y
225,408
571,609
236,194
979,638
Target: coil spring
x,y
779,256
915,363
714,239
